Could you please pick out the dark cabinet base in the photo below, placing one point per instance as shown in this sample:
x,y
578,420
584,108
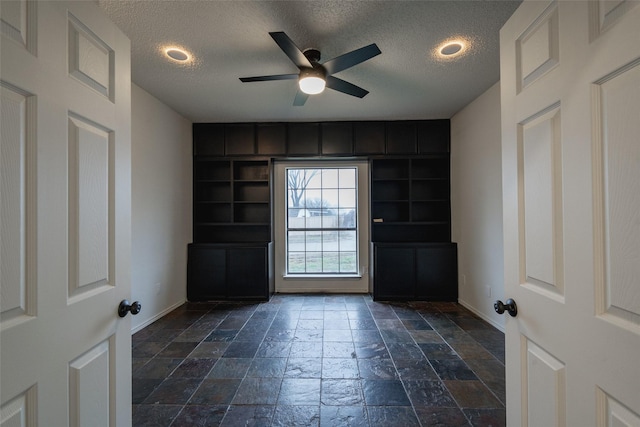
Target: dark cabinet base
x,y
415,271
229,271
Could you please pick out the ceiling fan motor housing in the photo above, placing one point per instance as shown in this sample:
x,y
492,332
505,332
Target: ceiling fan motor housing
x,y
313,55
317,71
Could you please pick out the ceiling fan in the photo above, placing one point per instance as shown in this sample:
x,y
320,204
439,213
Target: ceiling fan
x,y
313,76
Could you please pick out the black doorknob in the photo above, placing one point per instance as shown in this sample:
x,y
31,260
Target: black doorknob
x,y
125,307
510,306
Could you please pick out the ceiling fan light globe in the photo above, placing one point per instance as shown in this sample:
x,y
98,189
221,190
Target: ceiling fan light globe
x,y
311,85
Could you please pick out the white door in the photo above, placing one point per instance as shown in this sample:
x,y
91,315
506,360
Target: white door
x,y
65,225
570,81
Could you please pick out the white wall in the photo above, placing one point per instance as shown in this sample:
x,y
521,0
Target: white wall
x,y
476,204
161,206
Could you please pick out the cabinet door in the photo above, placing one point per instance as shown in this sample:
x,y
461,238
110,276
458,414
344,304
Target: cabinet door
x,y
248,276
337,138
206,273
304,139
271,138
437,273
208,139
394,273
401,138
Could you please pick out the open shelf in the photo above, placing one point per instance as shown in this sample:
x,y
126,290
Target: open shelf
x,y
410,199
231,200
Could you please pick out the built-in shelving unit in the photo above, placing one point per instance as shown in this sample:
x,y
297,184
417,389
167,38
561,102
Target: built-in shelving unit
x,y
413,256
231,201
410,199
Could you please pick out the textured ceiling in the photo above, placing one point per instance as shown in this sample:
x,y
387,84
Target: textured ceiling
x,y
229,39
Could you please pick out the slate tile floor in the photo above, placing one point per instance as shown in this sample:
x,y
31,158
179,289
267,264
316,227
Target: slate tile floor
x,y
319,360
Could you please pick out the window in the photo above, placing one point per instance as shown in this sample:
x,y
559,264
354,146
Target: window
x,y
321,221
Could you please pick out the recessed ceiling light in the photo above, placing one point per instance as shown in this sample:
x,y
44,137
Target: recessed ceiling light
x,y
451,48
177,54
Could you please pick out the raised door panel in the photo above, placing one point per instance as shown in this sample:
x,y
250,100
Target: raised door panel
x,y
18,22
618,203
91,386
543,385
540,201
90,190
17,188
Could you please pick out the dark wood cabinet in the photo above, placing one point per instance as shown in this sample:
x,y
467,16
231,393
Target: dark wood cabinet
x,y
434,136
271,138
206,272
304,139
231,200
409,204
410,199
239,139
394,273
415,271
208,139
401,138
229,271
337,138
369,137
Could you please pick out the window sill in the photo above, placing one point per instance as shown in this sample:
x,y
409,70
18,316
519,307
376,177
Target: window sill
x,y
321,276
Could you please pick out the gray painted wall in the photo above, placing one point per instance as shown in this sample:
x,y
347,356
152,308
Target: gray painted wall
x,y
476,204
161,206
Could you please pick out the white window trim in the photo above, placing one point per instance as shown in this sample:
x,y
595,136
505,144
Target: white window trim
x,y
290,283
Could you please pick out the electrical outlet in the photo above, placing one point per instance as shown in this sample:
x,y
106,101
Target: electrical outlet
x,y
488,289
463,280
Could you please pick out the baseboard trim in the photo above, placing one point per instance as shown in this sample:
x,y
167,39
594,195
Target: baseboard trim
x,y
157,316
483,316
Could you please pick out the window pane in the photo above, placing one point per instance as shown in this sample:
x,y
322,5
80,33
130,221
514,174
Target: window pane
x,y
347,240
348,262
293,198
347,218
329,219
295,241
293,177
313,178
312,198
347,178
314,262
330,197
314,241
330,178
330,241
296,262
347,198
331,262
